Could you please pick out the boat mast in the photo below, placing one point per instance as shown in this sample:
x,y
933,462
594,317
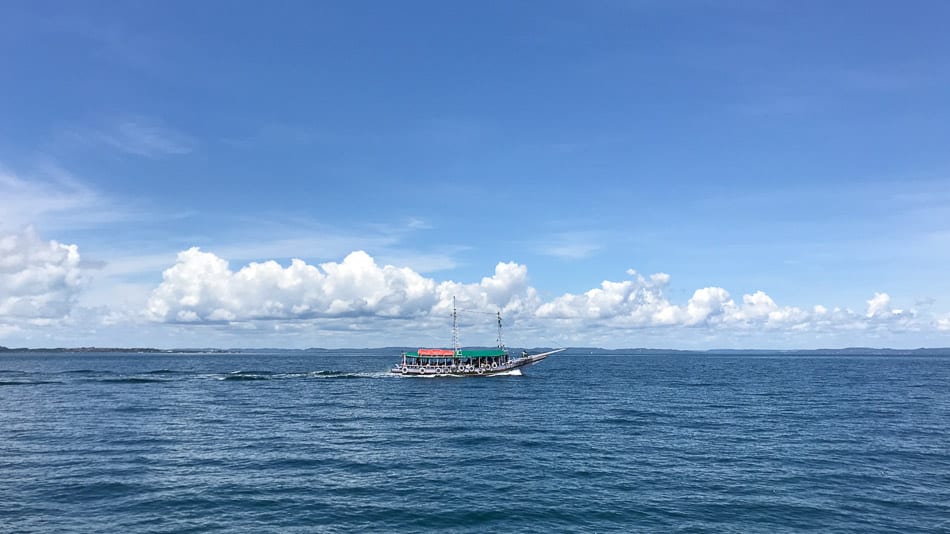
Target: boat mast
x,y
455,329
501,343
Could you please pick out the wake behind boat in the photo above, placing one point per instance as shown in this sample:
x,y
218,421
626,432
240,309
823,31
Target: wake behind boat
x,y
458,362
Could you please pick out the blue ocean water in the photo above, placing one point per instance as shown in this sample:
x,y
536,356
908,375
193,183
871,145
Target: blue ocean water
x,y
329,442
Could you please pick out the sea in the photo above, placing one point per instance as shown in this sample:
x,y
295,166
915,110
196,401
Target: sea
x,y
324,441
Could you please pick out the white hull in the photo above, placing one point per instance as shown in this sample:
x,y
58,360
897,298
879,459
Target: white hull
x,y
509,368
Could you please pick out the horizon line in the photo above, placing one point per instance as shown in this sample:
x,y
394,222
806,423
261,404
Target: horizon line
x,y
401,347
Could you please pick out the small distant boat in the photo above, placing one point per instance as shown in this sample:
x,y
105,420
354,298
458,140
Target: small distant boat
x,y
458,362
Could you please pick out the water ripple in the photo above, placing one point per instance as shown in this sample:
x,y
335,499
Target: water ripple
x,y
316,442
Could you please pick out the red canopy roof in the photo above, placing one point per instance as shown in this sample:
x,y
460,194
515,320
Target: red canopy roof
x,y
436,352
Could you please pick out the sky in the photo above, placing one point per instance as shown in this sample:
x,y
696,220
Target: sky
x,y
695,174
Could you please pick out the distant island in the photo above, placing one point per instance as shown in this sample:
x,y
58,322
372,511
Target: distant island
x,y
848,351
114,349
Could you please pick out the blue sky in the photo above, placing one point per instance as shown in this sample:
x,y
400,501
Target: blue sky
x,y
692,174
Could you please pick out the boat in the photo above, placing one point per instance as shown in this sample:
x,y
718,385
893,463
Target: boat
x,y
468,362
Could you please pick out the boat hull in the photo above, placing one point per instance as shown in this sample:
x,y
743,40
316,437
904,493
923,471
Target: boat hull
x,y
510,368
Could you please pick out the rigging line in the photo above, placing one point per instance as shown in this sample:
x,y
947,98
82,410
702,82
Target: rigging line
x,y
500,340
478,311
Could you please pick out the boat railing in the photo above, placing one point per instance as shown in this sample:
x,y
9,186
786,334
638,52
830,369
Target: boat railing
x,y
430,365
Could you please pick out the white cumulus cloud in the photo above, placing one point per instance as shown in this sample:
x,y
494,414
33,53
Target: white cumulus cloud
x,y
638,301
359,294
642,302
38,279
201,287
880,304
710,304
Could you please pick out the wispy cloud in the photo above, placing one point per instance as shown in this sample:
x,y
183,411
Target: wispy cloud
x,y
421,262
51,197
137,135
275,235
280,134
571,245
795,91
415,223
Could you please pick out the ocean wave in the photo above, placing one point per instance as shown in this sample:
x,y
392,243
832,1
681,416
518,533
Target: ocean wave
x,y
270,375
246,375
336,374
130,380
252,372
572,448
325,373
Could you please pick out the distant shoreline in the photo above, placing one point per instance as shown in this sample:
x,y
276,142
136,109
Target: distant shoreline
x,y
848,351
117,349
